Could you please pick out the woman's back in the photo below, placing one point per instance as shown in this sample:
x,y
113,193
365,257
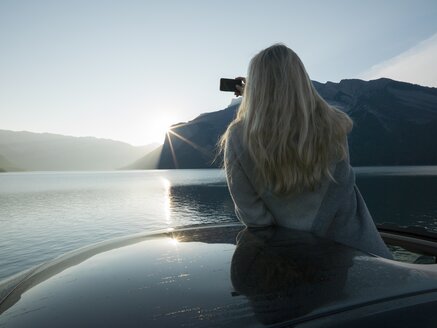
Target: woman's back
x,y
335,209
287,160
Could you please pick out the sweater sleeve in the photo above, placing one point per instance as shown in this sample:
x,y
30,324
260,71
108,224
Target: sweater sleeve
x,y
249,206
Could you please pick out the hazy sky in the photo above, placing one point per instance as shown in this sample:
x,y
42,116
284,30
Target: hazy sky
x,y
127,69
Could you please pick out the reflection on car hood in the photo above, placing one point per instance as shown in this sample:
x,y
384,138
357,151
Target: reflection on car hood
x,y
212,276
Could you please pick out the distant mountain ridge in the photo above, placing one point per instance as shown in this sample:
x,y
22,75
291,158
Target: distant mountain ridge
x,y
395,123
29,151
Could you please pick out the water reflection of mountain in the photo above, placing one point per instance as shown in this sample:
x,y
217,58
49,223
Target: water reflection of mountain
x,y
398,198
209,203
401,199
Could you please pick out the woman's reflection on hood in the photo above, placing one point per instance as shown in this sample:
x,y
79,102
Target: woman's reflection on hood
x,y
286,274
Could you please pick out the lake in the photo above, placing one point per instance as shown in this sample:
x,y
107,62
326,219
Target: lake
x,y
45,214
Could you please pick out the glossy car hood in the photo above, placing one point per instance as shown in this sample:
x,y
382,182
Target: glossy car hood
x,y
209,276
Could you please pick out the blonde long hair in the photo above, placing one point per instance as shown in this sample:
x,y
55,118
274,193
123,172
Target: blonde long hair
x,y
292,135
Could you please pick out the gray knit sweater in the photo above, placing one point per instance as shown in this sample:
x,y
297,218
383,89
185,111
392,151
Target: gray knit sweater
x,y
336,210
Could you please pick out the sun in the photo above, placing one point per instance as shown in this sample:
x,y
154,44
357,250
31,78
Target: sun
x,y
149,128
156,129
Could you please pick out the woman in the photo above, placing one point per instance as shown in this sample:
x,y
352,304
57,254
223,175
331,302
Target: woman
x,y
287,160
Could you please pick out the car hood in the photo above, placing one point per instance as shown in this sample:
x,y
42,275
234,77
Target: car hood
x,y
208,276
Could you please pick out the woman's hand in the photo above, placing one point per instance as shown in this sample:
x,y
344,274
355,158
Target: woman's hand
x,y
240,88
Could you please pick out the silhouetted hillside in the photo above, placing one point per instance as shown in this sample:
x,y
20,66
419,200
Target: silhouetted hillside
x,y
150,161
46,151
395,123
6,165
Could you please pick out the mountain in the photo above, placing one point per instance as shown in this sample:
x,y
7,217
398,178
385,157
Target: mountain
x,y
193,143
394,124
46,152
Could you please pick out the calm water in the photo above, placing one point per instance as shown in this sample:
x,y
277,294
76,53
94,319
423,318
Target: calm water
x,y
45,214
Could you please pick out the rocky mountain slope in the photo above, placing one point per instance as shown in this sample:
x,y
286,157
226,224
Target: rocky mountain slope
x,y
395,123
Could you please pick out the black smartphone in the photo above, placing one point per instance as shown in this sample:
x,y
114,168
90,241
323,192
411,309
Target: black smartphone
x,y
229,84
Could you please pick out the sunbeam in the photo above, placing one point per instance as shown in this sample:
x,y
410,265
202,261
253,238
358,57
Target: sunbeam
x,y
189,142
173,155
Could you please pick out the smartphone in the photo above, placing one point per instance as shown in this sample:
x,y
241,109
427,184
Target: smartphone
x,y
229,84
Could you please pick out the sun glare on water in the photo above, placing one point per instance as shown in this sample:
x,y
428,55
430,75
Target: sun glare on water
x,y
174,241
